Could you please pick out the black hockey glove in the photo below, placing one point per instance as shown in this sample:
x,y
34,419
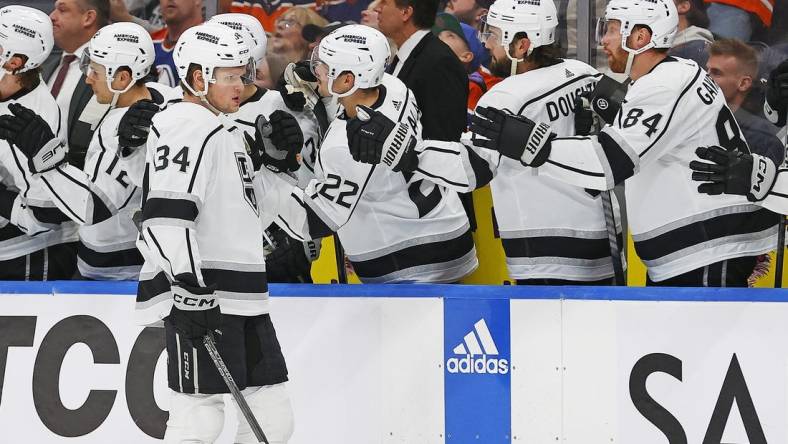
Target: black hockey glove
x,y
195,310
373,138
514,136
32,135
585,120
776,105
733,172
596,108
297,85
288,260
607,97
135,125
277,142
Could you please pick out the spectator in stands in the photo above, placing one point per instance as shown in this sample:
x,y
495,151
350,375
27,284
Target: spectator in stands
x,y
468,11
178,15
287,39
693,39
463,41
74,22
733,65
734,18
121,11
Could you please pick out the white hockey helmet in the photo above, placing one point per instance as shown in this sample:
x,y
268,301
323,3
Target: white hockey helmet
x,y
537,18
660,16
211,46
359,49
116,46
245,23
25,31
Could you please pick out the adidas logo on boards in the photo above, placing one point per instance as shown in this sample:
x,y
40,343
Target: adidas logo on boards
x,y
477,354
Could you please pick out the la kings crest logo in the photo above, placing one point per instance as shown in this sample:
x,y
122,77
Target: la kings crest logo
x,y
245,170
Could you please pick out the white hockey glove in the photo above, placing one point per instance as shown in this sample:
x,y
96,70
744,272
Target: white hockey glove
x,y
733,172
373,138
32,135
514,136
298,87
776,105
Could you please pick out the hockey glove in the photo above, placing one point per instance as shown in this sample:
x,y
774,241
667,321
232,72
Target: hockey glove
x,y
33,136
195,310
135,125
277,142
512,135
287,260
607,97
733,172
585,121
373,138
298,87
776,105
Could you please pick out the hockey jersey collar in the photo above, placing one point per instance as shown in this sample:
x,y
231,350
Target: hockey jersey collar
x,y
256,96
378,103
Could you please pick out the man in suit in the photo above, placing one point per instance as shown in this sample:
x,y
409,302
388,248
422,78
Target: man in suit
x,y
430,69
426,65
74,23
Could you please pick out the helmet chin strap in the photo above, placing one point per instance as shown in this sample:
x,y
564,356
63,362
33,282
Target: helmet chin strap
x,y
515,61
631,53
338,95
202,95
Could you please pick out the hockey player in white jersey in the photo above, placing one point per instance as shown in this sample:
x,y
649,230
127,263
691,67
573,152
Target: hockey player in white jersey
x,y
745,174
684,238
101,197
393,226
204,269
287,260
555,233
37,241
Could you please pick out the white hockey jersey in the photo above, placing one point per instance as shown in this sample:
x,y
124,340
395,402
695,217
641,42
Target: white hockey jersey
x,y
200,215
394,227
666,115
549,229
29,220
103,199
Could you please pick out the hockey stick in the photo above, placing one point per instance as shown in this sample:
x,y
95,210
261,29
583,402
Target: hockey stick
x,y
339,253
210,345
778,273
612,237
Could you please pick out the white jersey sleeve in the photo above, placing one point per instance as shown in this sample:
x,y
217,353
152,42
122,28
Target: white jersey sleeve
x,y
103,188
329,200
644,130
25,203
179,175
